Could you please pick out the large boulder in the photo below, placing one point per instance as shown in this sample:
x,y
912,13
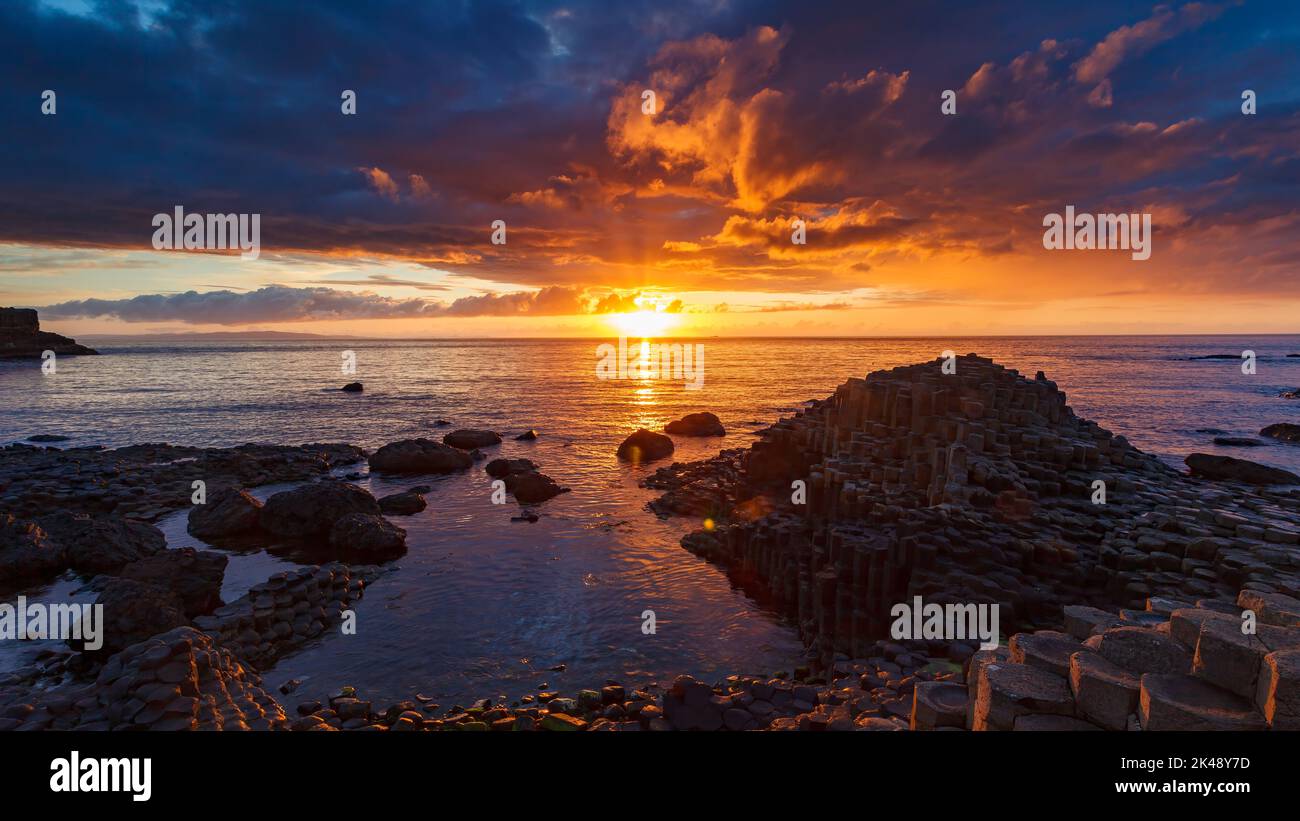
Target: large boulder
x,y
468,439
501,468
533,488
1226,468
418,456
697,424
193,575
132,612
371,537
310,511
26,552
644,446
102,544
227,512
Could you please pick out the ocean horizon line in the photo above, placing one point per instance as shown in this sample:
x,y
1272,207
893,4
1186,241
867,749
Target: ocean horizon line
x,y
308,337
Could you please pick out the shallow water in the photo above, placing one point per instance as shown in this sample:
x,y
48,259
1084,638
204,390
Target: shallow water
x,y
482,606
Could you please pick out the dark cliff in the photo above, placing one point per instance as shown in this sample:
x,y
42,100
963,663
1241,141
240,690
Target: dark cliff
x,y
21,336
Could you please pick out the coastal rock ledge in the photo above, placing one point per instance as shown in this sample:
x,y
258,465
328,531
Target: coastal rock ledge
x,y
21,337
1124,609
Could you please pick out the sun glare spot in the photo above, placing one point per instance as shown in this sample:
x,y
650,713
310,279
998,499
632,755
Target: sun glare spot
x,y
643,323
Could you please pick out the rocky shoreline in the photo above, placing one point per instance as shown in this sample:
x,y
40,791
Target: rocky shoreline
x,y
1120,582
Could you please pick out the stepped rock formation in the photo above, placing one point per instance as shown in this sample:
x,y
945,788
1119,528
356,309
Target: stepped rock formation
x,y
970,487
21,337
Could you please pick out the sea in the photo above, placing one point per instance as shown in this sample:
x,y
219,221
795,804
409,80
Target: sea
x,y
485,607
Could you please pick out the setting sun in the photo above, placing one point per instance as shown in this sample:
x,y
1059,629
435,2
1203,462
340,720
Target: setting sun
x,y
643,323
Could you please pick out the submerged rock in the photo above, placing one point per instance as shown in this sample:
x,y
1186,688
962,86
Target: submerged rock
x,y
697,424
403,504
1238,470
501,468
1238,442
353,387
418,456
644,446
533,488
468,439
526,436
368,535
1283,431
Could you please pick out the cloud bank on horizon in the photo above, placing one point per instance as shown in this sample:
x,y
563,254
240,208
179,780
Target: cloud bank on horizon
x,y
531,113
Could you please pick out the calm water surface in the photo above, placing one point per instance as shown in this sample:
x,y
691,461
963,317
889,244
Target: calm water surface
x,y
482,606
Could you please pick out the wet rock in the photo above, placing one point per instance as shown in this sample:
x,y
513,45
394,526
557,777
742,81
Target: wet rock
x,y
310,512
1227,468
697,424
559,722
469,439
526,436
194,576
1239,441
353,387
1182,702
102,544
533,488
228,512
418,456
644,446
26,552
405,503
1283,431
501,468
370,536
133,611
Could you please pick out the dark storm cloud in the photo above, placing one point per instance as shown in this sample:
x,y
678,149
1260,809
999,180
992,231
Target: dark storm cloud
x,y
479,110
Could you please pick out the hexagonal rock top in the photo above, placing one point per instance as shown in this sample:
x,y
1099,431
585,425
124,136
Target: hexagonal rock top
x,y
1181,702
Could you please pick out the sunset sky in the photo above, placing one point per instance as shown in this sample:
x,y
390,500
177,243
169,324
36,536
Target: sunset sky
x,y
918,222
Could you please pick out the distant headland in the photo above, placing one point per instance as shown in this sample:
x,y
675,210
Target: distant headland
x,y
21,337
